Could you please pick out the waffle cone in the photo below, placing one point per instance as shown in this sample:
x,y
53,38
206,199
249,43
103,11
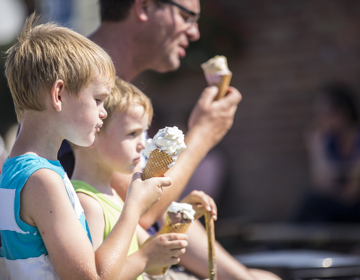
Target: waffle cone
x,y
223,85
174,228
157,164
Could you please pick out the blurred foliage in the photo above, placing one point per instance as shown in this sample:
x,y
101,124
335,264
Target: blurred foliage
x,y
7,111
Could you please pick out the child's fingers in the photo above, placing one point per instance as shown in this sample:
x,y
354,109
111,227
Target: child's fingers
x,y
178,252
213,208
199,197
162,181
136,176
175,236
175,260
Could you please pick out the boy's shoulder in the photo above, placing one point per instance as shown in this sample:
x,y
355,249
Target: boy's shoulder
x,y
20,168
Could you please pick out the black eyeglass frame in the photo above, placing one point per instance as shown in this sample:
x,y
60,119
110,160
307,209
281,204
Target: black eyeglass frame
x,y
194,16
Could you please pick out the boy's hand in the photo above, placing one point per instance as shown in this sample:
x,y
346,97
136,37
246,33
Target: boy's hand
x,y
143,194
163,250
212,118
201,203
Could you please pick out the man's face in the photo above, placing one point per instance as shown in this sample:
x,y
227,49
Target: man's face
x,y
170,33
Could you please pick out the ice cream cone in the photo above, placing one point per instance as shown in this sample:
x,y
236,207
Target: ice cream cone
x,y
223,85
217,74
174,228
157,164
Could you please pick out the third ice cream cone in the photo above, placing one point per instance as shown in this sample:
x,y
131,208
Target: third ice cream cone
x,y
223,85
217,74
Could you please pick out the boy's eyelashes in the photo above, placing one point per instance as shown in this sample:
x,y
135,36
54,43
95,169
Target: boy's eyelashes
x,y
135,133
101,98
100,101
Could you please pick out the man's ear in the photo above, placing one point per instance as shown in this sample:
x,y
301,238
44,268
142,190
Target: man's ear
x,y
142,9
57,91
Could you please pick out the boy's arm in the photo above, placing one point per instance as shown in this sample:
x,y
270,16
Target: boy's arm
x,y
156,253
209,122
46,205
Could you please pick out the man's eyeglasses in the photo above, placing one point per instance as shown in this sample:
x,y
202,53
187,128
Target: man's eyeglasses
x,y
192,16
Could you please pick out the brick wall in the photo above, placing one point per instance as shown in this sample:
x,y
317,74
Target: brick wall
x,y
289,49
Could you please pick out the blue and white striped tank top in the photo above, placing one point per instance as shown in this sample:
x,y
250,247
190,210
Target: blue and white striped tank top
x,y
23,254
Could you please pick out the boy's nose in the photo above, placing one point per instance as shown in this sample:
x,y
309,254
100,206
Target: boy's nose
x,y
103,114
141,145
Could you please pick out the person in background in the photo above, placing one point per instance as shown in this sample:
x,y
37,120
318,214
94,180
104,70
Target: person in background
x,y
333,145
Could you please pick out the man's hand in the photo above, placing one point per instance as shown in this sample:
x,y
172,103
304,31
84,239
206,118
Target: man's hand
x,y
212,119
201,203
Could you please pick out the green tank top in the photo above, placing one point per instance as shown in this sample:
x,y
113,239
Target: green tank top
x,y
110,209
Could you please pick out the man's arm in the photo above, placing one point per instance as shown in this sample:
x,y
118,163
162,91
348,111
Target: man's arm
x,y
209,121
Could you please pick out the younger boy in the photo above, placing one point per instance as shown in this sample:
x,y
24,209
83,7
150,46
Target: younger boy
x,y
59,81
118,149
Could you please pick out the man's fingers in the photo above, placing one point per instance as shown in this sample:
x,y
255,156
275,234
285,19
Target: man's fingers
x,y
208,95
233,97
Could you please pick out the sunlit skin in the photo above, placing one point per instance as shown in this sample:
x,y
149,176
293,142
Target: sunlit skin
x,y
170,35
84,114
122,147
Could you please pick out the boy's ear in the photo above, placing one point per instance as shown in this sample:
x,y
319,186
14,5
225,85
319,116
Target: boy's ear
x,y
142,9
57,92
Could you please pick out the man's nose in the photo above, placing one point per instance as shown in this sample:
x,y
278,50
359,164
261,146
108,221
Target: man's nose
x,y
193,32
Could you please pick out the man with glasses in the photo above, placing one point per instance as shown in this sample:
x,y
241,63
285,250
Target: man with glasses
x,y
144,35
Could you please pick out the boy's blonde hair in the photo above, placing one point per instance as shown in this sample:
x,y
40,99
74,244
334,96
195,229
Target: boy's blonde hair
x,y
47,52
123,94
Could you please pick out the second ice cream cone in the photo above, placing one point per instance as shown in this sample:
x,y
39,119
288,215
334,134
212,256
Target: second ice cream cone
x,y
157,164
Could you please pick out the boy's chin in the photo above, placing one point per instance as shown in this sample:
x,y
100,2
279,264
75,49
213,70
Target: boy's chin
x,y
132,169
86,144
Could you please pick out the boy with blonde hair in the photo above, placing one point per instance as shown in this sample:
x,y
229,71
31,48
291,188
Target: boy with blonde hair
x,y
117,148
59,81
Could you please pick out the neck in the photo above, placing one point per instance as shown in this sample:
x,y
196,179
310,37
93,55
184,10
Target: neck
x,y
118,40
90,169
38,137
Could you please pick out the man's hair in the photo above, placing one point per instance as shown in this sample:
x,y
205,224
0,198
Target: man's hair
x,y
115,10
46,52
123,94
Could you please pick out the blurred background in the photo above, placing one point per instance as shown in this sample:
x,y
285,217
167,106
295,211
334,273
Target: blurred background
x,y
282,53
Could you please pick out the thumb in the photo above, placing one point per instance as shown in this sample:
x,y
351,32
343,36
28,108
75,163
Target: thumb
x,y
136,176
163,181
